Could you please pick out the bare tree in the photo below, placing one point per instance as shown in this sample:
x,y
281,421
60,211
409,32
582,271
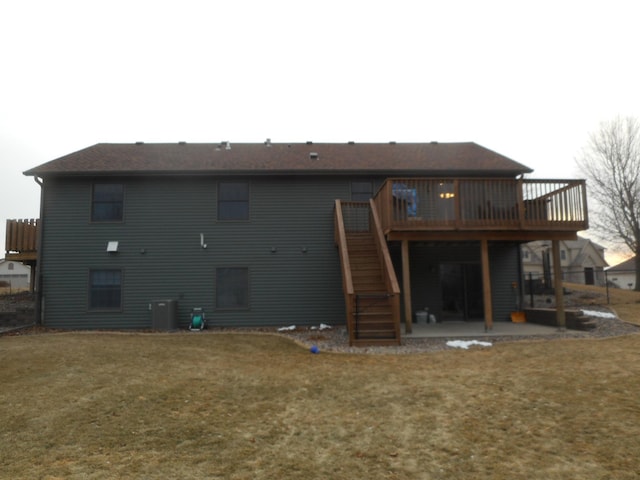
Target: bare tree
x,y
611,164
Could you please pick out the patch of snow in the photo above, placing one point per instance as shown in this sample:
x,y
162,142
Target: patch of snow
x,y
595,313
323,326
286,329
466,343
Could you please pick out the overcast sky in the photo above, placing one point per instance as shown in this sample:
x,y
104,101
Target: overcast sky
x,y
529,80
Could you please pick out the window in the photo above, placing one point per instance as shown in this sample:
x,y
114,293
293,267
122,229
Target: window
x,y
10,266
563,255
107,202
361,191
105,289
232,287
233,201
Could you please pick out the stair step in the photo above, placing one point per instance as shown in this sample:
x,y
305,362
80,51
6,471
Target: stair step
x,y
374,311
362,284
365,267
372,342
364,308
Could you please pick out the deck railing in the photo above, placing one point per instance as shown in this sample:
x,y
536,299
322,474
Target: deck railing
x,y
482,204
21,236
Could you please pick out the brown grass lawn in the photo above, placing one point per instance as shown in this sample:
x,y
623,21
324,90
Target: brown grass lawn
x,y
626,303
258,406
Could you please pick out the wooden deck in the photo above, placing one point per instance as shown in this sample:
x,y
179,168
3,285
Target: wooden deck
x,y
448,209
516,209
21,242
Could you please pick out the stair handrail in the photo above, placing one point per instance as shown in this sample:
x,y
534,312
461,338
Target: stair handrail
x,y
347,280
391,281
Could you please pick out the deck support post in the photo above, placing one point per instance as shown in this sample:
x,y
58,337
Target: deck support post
x,y
406,287
557,285
486,285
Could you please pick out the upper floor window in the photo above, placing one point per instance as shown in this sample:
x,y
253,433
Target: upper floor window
x,y
563,255
10,266
361,191
105,289
107,203
233,201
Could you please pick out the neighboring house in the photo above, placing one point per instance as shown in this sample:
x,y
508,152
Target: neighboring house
x,y
582,261
14,276
623,275
280,234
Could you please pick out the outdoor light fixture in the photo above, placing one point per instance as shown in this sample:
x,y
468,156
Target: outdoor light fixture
x,y
112,246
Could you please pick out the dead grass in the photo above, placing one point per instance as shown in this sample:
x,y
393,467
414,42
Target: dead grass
x,y
4,290
626,303
233,406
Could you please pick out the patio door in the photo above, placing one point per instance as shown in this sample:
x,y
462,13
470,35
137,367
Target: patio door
x,y
461,285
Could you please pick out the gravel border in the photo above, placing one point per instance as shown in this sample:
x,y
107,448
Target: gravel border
x,y
336,339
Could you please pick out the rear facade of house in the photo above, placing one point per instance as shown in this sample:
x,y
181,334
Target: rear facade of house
x,y
248,232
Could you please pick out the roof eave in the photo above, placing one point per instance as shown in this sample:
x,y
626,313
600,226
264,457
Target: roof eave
x,y
315,172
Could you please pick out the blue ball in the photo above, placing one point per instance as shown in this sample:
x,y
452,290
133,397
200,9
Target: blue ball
x,y
314,349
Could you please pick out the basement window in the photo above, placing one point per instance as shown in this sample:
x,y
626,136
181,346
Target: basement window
x,y
105,289
232,288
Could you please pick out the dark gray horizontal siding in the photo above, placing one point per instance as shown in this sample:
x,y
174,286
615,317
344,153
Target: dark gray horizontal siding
x,y
504,273
161,258
425,259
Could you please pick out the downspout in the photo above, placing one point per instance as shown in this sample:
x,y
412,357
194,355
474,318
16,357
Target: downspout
x,y
38,272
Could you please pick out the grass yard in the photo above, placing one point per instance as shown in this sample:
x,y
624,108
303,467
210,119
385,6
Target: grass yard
x,y
252,406
626,303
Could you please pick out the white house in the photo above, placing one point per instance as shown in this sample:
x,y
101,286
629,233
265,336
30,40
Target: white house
x,y
582,261
14,276
623,275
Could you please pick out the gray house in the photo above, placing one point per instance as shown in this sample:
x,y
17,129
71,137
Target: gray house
x,y
582,261
278,234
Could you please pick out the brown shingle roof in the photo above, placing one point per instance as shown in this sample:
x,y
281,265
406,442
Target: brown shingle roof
x,y
460,159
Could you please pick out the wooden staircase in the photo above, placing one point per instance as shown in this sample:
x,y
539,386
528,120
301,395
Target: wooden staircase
x,y
373,307
370,287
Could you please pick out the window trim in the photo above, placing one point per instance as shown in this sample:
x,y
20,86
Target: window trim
x,y
245,307
90,306
93,203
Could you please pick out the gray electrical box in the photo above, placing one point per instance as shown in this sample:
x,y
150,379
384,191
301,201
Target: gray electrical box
x,y
164,314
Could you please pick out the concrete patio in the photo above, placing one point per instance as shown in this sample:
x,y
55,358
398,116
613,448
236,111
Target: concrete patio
x,y
476,329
